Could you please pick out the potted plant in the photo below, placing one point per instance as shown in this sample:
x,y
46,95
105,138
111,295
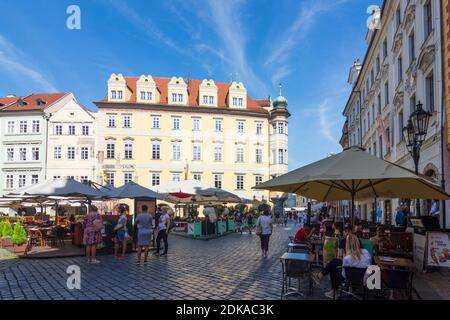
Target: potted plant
x,y
7,233
19,238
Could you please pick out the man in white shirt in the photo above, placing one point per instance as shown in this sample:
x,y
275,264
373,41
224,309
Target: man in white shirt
x,y
163,228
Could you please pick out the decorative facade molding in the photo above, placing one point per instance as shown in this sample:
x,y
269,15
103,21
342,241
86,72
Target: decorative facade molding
x,y
426,57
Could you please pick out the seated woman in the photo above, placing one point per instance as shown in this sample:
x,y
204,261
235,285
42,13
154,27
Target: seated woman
x,y
304,233
355,257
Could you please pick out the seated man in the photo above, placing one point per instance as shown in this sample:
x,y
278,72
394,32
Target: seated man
x,y
304,233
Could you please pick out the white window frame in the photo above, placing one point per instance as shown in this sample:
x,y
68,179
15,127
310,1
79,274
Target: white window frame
x,y
11,127
127,121
156,122
156,151
33,153
155,179
71,149
240,179
176,152
176,121
128,150
84,153
36,126
196,152
110,150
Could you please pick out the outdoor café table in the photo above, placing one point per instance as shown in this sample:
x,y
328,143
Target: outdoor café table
x,y
317,245
394,263
293,246
290,256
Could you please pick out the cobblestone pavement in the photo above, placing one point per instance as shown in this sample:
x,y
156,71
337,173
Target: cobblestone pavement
x,y
226,268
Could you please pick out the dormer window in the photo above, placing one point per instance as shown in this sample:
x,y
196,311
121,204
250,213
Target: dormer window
x,y
177,91
21,102
237,95
40,102
146,91
117,88
208,93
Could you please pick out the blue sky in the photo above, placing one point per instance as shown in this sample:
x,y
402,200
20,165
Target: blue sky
x,y
307,45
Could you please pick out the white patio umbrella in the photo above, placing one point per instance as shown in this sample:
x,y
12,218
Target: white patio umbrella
x,y
64,187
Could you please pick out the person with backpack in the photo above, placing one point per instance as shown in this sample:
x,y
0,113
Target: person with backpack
x,y
92,236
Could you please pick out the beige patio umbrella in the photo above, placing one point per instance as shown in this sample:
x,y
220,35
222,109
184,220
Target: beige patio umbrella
x,y
354,175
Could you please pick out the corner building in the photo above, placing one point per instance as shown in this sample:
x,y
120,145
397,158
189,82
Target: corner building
x,y
157,130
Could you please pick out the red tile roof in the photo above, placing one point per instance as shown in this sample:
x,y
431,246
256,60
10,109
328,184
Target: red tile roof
x,y
31,101
193,92
8,100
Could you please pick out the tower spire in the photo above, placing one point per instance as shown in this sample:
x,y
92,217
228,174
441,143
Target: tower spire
x,y
281,87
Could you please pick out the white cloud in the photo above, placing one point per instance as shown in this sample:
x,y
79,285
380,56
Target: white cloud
x,y
305,20
145,24
325,123
226,18
14,62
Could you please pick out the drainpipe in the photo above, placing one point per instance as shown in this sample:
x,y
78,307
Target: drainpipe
x,y
47,118
443,111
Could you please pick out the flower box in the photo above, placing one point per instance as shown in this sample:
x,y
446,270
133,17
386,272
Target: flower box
x,y
19,249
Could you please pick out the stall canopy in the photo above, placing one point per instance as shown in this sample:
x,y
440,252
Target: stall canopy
x,y
354,175
188,191
64,187
131,190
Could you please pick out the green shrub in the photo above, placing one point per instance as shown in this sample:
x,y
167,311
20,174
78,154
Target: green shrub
x,y
1,228
7,230
19,236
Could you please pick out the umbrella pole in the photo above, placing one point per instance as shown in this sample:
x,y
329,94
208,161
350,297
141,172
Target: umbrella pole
x,y
352,208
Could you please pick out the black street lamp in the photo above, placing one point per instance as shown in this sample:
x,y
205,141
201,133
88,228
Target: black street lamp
x,y
415,133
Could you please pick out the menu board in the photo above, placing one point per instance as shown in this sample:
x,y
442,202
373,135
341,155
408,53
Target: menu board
x,y
419,250
438,249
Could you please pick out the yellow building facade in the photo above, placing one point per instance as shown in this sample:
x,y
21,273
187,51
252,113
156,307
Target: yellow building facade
x,y
158,130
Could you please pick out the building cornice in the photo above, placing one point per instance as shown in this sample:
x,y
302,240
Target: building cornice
x,y
176,108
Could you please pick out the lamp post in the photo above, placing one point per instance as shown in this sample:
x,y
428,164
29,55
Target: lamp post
x,y
415,133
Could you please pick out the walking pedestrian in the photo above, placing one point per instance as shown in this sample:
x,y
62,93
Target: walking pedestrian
x,y
121,234
163,227
264,228
250,222
238,220
144,225
92,236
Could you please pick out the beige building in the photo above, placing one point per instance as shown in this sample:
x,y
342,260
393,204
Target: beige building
x,y
158,130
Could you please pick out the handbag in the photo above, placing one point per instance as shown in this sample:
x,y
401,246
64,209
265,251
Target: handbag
x,y
97,224
258,228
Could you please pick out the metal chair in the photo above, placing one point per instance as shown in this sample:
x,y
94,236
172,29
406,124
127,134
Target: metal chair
x,y
354,279
297,270
397,279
